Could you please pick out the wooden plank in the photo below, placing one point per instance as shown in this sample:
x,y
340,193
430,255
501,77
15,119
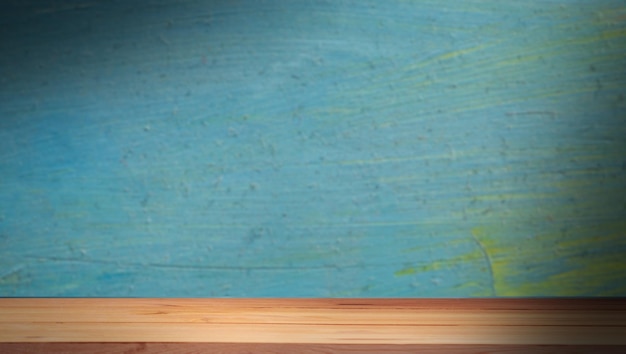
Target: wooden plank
x,y
317,311
317,321
217,348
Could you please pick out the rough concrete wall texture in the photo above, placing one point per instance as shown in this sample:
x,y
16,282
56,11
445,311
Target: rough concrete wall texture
x,y
313,148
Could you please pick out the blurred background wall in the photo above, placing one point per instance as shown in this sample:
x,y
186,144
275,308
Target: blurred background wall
x,y
312,148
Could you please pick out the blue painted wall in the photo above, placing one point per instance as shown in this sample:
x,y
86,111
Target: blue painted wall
x,y
313,148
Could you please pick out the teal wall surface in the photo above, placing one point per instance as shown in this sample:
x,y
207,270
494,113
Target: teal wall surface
x,y
339,148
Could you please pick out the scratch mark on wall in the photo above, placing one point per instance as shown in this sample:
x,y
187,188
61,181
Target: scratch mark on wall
x,y
474,233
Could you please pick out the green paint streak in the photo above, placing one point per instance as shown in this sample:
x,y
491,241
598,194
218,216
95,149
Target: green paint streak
x,y
590,260
405,271
439,265
430,267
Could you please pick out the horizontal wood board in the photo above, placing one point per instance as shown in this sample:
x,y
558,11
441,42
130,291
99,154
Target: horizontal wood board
x,y
317,321
220,348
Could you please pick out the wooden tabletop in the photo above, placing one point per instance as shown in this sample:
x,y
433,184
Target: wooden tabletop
x,y
316,321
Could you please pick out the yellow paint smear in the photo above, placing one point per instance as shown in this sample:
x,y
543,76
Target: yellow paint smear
x,y
588,265
439,264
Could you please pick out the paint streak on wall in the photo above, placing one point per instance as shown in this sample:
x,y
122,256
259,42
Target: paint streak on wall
x,y
312,148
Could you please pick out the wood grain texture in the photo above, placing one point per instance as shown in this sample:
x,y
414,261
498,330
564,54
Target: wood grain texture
x,y
312,148
220,348
316,321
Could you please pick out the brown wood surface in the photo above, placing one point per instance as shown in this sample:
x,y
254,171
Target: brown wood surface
x,y
504,322
223,348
